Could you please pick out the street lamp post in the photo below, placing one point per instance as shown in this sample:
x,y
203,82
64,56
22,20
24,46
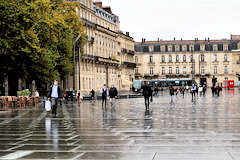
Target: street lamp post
x,y
193,67
74,58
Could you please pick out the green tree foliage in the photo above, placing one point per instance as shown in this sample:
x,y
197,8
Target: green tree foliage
x,y
36,39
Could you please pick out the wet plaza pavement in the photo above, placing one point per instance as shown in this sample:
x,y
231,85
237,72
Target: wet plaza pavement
x,y
206,129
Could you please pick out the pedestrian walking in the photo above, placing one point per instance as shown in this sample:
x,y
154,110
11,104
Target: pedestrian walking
x,y
54,94
204,90
66,95
187,88
201,90
113,93
171,92
218,89
196,89
104,92
147,92
92,94
213,90
79,97
193,91
183,90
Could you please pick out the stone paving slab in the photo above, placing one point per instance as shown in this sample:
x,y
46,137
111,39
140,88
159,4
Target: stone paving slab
x,y
116,156
51,155
206,129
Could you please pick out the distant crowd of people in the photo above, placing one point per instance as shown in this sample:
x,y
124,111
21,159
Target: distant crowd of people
x,y
195,90
111,94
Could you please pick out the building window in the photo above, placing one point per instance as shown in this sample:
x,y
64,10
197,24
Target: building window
x,y
170,70
220,47
215,48
136,70
151,70
136,59
191,58
202,58
215,57
226,48
177,70
184,70
170,59
191,69
151,59
177,58
225,70
202,70
150,48
184,58
163,70
215,69
163,59
225,58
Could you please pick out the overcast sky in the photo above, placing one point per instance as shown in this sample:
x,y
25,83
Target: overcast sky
x,y
185,19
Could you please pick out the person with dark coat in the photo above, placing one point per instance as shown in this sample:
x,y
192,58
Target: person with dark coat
x,y
92,93
113,93
147,92
213,90
54,94
104,92
204,90
171,92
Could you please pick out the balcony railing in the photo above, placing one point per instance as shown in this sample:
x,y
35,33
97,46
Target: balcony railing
x,y
151,63
130,64
87,22
124,50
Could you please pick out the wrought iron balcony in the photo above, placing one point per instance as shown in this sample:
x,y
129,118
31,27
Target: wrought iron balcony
x,y
124,50
130,64
87,22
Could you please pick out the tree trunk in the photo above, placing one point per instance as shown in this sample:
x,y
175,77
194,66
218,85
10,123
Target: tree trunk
x,y
12,84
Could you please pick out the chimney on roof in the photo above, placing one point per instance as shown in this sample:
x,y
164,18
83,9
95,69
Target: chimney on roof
x,y
98,4
174,38
158,39
208,39
144,40
127,33
205,39
181,39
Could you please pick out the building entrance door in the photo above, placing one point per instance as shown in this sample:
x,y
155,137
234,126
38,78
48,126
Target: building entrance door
x,y
203,81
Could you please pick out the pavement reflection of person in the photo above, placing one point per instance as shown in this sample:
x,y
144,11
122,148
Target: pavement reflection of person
x,y
194,118
55,135
113,117
104,115
48,128
148,122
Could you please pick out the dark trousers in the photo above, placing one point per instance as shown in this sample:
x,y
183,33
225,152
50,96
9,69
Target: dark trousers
x,y
54,106
193,95
104,99
146,99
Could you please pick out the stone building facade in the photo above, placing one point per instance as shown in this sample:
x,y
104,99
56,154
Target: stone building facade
x,y
104,51
199,59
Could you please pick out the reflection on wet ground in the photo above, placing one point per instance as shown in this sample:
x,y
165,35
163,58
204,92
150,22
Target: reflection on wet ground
x,y
208,128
